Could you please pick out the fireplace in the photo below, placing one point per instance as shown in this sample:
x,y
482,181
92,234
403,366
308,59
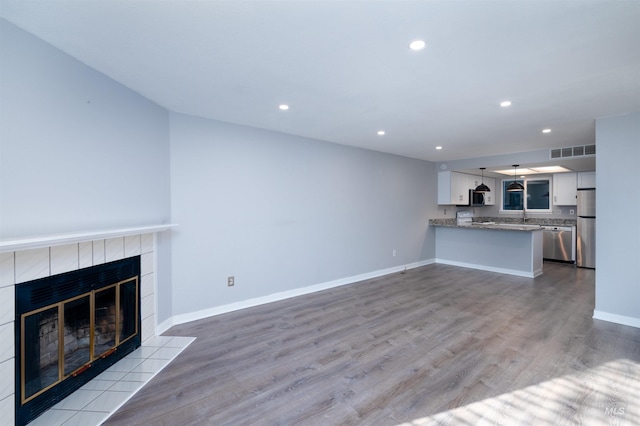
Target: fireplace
x,y
71,327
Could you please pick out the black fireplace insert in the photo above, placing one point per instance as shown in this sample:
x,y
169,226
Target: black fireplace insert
x,y
71,327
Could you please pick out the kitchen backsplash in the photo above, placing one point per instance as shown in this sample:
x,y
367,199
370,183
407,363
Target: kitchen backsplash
x,y
559,212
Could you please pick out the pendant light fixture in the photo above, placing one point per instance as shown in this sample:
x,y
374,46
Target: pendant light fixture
x,y
515,186
482,187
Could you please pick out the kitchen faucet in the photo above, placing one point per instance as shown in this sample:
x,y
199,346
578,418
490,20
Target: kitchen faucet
x,y
524,215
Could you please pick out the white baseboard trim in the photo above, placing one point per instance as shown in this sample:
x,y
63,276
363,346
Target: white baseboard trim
x,y
164,326
217,310
490,268
618,319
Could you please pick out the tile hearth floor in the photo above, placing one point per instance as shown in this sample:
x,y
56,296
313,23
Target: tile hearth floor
x,y
94,402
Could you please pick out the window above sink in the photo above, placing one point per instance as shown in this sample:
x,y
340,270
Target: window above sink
x,y
535,198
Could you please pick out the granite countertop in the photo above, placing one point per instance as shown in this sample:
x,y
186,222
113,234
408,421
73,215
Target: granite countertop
x,y
503,223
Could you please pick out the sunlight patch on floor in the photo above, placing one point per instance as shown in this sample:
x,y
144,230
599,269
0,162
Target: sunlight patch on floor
x,y
606,395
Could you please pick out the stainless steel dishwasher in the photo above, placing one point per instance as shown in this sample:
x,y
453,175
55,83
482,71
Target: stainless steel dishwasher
x,y
559,243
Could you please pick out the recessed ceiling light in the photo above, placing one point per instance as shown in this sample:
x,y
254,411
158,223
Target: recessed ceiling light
x,y
505,104
438,147
417,45
546,131
284,107
381,132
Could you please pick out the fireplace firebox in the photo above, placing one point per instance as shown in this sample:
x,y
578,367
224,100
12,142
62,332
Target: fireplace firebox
x,y
70,328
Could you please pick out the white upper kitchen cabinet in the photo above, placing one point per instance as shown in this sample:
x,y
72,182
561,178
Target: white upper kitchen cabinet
x,y
490,197
453,188
565,187
586,179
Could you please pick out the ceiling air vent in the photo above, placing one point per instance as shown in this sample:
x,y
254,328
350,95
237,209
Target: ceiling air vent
x,y
590,150
574,151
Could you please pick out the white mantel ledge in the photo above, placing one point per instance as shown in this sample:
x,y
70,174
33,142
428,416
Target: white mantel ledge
x,y
60,239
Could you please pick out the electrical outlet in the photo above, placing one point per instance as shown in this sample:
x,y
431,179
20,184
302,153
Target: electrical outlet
x,y
394,252
231,281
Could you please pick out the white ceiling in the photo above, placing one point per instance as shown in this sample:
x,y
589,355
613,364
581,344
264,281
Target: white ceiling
x,y
345,69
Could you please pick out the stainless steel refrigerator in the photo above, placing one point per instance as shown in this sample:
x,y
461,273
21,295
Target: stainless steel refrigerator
x,y
586,238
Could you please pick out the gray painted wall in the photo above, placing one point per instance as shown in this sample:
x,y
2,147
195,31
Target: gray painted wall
x,y
78,151
281,212
618,236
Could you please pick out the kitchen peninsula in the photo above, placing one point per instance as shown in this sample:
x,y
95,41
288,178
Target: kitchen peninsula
x,y
508,248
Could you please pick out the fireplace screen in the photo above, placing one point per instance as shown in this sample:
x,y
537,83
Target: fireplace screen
x,y
63,339
74,323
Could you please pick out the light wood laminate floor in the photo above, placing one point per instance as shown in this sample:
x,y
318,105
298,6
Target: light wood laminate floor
x,y
436,345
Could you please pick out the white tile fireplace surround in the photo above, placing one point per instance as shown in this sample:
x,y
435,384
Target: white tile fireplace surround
x,y
29,259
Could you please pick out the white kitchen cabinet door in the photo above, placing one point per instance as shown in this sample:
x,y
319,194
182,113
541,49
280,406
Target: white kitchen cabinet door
x,y
473,181
463,183
453,188
490,197
444,188
565,189
586,180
